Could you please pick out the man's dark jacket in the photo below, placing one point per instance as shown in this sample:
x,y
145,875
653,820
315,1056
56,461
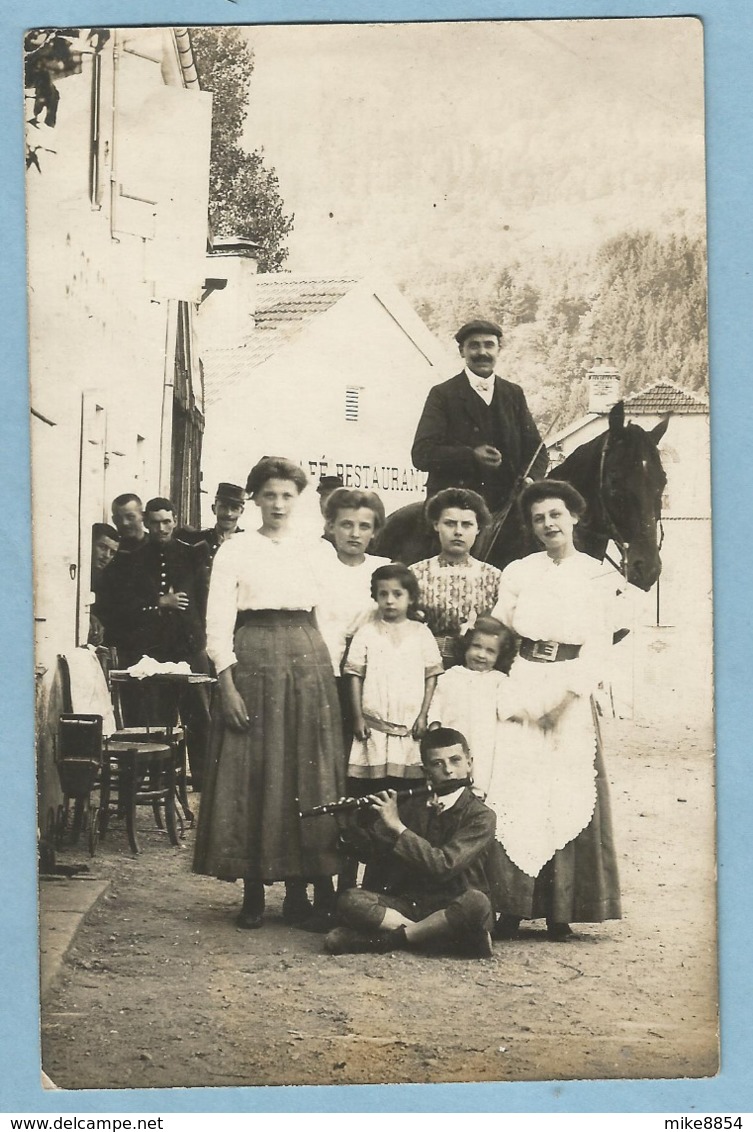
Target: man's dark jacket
x,y
127,601
455,420
441,854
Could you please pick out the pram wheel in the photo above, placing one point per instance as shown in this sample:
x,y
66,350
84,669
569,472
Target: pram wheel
x,y
93,823
60,824
80,806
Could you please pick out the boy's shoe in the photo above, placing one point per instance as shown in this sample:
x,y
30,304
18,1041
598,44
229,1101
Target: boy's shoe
x,y
507,927
346,941
394,940
476,944
318,922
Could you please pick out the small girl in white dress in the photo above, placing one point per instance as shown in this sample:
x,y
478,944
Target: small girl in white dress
x,y
393,665
474,697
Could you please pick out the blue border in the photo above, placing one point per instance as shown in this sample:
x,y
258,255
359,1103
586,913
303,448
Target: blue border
x,y
729,83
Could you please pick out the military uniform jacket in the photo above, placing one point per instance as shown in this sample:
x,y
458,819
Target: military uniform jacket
x,y
455,420
207,535
441,854
128,595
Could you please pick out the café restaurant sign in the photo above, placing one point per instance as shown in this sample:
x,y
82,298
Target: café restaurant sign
x,y
370,477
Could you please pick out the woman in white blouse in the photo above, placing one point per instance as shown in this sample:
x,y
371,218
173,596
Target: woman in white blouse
x,y
277,743
549,785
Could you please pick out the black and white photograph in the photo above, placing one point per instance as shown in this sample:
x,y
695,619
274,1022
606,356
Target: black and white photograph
x,y
371,512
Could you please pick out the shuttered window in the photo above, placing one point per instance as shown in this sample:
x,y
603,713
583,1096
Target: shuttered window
x,y
352,397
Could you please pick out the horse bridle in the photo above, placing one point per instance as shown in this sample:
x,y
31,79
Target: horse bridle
x,y
622,544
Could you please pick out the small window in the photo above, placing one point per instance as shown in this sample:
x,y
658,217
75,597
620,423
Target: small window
x,y
352,398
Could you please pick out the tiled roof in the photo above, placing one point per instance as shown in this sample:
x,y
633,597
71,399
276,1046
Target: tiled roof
x,y
284,305
665,397
287,301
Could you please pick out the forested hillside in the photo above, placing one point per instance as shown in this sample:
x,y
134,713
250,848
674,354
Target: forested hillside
x,y
639,299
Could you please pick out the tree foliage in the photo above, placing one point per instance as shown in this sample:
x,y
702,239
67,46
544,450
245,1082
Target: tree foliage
x,y
639,299
244,193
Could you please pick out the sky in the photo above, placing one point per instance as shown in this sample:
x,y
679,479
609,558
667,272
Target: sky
x,y
405,146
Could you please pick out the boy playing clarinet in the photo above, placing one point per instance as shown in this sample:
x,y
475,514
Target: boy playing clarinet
x,y
432,873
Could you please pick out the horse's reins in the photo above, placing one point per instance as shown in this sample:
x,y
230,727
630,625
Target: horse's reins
x,y
514,495
511,502
612,531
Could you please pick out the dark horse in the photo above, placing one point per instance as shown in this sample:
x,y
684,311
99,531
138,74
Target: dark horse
x,y
620,476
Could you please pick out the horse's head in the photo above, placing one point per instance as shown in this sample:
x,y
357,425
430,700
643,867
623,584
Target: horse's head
x,y
631,483
620,476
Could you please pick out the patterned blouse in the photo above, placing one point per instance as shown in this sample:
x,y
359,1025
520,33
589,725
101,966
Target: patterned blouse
x,y
449,593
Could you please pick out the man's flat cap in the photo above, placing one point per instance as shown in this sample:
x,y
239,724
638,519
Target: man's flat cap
x,y
329,483
478,326
230,493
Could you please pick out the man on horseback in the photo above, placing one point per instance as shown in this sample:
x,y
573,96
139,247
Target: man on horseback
x,y
476,430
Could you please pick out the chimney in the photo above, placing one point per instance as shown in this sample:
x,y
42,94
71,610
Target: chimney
x,y
226,314
603,386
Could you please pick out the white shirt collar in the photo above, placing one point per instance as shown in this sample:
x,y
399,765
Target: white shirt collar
x,y
448,800
484,386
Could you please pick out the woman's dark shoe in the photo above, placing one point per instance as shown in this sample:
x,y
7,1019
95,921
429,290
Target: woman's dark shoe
x,y
251,914
321,919
507,927
559,933
246,919
296,907
296,911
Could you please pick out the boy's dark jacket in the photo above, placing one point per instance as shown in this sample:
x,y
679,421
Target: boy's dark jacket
x,y
441,853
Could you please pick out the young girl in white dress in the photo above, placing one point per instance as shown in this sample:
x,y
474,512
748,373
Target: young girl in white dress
x,y
474,696
393,665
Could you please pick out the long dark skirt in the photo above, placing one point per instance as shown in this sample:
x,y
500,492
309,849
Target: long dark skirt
x,y
580,884
290,759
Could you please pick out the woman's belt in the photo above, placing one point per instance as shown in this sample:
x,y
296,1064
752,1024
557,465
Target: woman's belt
x,y
547,650
277,616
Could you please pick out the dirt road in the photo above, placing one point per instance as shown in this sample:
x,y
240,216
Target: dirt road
x,y
161,989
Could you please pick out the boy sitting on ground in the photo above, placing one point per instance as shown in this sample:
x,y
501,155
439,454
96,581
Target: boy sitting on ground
x,y
432,874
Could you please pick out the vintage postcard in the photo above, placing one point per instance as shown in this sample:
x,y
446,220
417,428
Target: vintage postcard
x,y
395,261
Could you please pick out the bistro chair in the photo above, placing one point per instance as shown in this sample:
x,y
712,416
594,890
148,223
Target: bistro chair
x,y
166,728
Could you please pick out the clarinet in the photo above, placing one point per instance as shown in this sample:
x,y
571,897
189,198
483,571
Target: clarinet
x,y
346,805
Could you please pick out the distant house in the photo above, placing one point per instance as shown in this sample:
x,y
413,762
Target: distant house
x,y
329,371
117,224
681,601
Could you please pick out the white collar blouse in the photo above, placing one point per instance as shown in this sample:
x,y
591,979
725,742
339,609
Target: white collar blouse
x,y
251,571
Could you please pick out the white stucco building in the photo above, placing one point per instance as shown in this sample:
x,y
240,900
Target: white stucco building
x,y
330,372
117,230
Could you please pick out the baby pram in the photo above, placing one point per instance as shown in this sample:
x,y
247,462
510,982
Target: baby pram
x,y
79,766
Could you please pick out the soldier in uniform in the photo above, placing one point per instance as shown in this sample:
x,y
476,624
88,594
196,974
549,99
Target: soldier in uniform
x,y
476,430
229,502
153,603
105,545
128,517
